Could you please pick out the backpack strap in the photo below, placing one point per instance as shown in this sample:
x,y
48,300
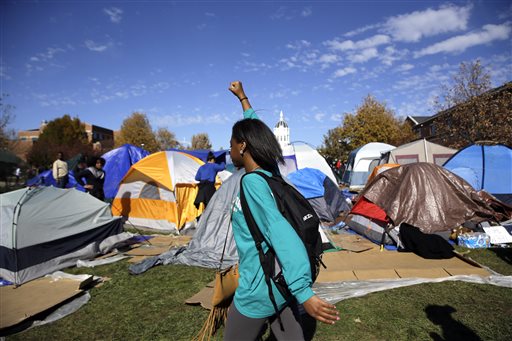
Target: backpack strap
x,y
258,240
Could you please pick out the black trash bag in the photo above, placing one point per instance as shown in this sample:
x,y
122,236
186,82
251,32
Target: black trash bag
x,y
429,246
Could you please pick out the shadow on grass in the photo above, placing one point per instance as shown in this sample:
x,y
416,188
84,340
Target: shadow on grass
x,y
451,328
505,254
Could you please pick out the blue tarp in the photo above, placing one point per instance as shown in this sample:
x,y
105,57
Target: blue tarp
x,y
119,161
484,167
220,156
309,182
46,179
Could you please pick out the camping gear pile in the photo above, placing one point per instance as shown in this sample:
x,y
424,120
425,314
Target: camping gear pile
x,y
425,196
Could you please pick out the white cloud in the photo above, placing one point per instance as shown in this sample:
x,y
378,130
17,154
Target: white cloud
x,y
180,120
41,60
343,72
345,45
306,12
54,100
460,43
47,55
114,13
391,54
336,117
328,58
361,30
414,26
96,47
405,67
363,56
319,117
209,14
298,45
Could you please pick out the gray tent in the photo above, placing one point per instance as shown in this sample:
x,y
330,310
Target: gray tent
x,y
213,234
418,151
45,229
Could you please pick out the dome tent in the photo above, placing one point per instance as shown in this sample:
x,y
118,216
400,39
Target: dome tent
x,y
159,191
361,162
487,167
44,229
118,162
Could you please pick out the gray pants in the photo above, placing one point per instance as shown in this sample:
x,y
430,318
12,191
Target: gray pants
x,y
240,327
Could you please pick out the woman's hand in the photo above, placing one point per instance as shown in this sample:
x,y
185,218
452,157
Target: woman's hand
x,y
237,89
88,186
321,310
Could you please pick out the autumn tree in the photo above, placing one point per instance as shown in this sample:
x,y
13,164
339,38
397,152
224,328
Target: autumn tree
x,y
136,130
372,122
469,111
166,139
6,118
64,134
200,141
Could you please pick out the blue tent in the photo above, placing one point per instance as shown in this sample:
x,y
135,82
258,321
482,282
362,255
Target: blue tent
x,y
322,193
220,156
119,161
46,179
485,167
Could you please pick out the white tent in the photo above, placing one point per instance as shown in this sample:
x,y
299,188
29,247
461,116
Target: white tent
x,y
300,155
361,163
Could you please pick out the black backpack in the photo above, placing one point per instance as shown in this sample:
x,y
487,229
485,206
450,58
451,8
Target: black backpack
x,y
302,217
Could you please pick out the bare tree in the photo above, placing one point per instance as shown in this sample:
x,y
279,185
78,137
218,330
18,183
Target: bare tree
x,y
200,141
470,111
166,139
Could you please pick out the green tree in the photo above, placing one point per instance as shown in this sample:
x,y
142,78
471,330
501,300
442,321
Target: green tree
x,y
200,141
372,122
136,130
469,111
166,139
6,118
64,134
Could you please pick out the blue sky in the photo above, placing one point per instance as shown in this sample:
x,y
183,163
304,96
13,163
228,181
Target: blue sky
x,y
315,60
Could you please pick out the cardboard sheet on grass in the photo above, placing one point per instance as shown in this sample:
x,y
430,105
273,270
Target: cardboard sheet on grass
x,y
365,269
360,259
37,296
156,246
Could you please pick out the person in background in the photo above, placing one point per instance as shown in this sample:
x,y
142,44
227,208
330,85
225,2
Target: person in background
x,y
255,148
60,171
17,174
206,175
94,176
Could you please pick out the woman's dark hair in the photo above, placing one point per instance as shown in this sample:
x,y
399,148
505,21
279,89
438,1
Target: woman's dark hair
x,y
260,142
210,156
93,160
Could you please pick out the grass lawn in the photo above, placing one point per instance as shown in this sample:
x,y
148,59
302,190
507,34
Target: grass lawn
x,y
150,307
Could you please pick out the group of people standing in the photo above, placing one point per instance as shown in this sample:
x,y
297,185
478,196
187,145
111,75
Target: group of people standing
x,y
94,175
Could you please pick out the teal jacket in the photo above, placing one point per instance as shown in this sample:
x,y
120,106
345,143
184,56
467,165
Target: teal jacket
x,y
251,297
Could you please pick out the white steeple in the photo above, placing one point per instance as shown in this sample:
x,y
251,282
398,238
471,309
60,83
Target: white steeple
x,y
282,132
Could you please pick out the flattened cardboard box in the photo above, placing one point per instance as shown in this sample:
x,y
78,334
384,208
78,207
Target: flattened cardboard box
x,y
34,297
391,265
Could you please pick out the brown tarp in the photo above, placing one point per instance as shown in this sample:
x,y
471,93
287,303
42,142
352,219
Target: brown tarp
x,y
429,197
